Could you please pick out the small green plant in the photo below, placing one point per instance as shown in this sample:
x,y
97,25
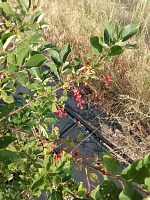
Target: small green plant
x,y
32,71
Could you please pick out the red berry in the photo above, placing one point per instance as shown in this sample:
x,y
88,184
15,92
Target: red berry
x,y
58,157
82,101
95,95
88,195
84,70
108,79
57,112
60,154
82,65
74,94
77,105
105,171
79,96
65,114
81,107
62,109
88,62
105,84
76,98
76,154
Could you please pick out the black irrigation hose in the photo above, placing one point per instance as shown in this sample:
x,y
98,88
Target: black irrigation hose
x,y
96,133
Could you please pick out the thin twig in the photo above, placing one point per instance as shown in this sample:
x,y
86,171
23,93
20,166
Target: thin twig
x,y
87,179
26,105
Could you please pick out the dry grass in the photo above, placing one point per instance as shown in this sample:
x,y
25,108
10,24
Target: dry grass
x,y
127,99
74,21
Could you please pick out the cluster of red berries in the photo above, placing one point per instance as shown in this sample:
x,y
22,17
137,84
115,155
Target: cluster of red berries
x,y
61,112
107,80
78,99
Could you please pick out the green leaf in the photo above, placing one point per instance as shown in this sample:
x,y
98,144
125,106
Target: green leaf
x,y
2,59
11,61
7,157
43,25
67,174
65,169
55,56
11,58
21,55
77,64
147,182
65,51
5,36
81,190
97,48
47,163
111,33
131,46
5,97
128,31
22,77
115,50
46,47
25,4
42,171
36,61
8,41
53,107
1,46
128,193
107,37
53,68
34,39
6,8
93,177
106,191
37,183
111,164
40,17
57,195
6,140
35,16
138,171
35,72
